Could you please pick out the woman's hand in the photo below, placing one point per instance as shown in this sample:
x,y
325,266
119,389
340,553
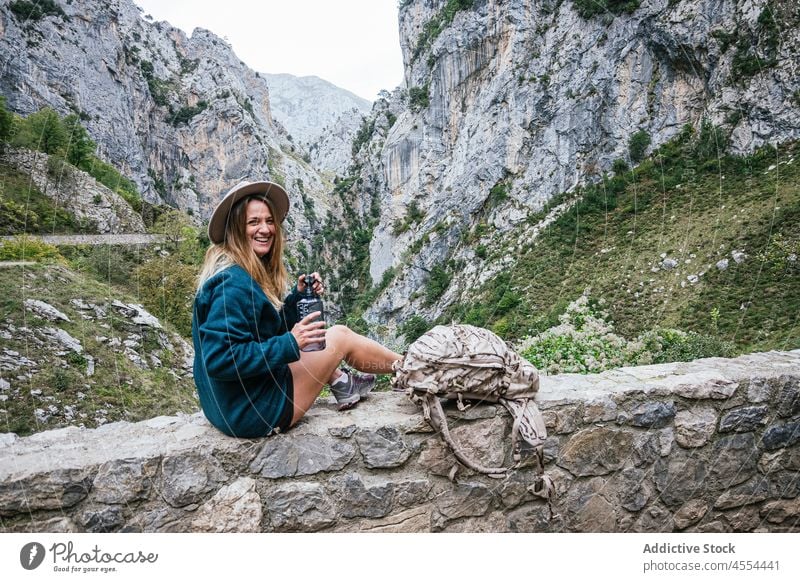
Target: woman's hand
x,y
318,286
307,331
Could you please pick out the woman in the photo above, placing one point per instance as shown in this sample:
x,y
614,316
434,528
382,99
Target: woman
x,y
252,377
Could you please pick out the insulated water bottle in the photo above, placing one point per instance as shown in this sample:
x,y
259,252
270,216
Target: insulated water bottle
x,y
309,303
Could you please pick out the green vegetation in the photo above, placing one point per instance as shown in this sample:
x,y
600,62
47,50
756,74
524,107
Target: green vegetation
x,y
32,11
26,248
419,98
25,210
434,27
757,49
66,140
159,88
414,215
691,202
585,342
589,8
103,382
185,113
364,134
637,146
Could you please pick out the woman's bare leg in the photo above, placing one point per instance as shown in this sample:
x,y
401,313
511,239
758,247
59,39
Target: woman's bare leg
x,y
314,369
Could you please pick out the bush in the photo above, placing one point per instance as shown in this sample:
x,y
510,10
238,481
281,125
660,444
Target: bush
x,y
418,98
26,248
637,146
585,342
6,121
33,11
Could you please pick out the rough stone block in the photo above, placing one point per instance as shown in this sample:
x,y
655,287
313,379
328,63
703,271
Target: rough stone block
x,y
754,491
733,460
759,390
782,511
407,493
655,519
124,481
634,489
587,508
745,519
300,507
653,414
785,484
383,447
234,508
294,455
600,410
534,518
101,519
788,403
492,522
484,442
596,451
436,458
744,419
412,520
781,435
694,427
186,479
463,500
679,478
58,489
709,388
357,500
690,513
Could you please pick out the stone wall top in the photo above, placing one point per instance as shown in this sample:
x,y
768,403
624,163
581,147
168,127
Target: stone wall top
x,y
711,445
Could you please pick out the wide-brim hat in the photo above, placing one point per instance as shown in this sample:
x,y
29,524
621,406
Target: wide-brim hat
x,y
219,218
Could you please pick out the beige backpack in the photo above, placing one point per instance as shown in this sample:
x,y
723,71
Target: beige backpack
x,y
472,365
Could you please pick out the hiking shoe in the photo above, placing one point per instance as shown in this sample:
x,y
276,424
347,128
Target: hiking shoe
x,y
348,393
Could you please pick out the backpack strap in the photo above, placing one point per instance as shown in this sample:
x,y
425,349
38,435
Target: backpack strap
x,y
434,414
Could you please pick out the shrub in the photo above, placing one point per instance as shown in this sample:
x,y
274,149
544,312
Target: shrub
x,y
26,248
33,11
418,98
585,342
637,146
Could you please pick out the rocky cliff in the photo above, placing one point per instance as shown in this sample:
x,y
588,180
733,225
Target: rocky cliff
x,y
183,117
536,97
320,116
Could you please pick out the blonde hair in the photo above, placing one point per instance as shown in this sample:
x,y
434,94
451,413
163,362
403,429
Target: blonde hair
x,y
268,271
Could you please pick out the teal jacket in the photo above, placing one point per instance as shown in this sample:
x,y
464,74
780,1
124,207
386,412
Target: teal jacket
x,y
242,351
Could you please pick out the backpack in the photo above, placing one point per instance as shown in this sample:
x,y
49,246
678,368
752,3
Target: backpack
x,y
467,363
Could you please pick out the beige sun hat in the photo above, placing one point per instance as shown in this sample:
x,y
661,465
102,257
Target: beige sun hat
x,y
219,218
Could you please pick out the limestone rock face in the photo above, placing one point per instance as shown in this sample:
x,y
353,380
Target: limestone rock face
x,y
181,116
320,117
537,98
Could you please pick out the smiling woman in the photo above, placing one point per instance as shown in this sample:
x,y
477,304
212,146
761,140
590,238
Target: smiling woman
x,y
251,374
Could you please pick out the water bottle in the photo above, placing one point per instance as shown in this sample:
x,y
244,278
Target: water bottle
x,y
309,303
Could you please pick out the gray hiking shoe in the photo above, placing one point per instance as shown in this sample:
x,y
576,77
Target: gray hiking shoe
x,y
348,394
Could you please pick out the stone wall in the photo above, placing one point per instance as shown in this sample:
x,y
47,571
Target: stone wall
x,y
707,446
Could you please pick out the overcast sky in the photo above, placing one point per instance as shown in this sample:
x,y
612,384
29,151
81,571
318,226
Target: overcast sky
x,y
351,43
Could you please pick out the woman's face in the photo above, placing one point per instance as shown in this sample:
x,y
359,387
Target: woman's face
x,y
260,227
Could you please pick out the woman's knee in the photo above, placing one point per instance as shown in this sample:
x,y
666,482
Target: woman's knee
x,y
340,332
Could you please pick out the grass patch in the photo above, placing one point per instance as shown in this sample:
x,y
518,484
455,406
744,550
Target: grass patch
x,y
123,372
